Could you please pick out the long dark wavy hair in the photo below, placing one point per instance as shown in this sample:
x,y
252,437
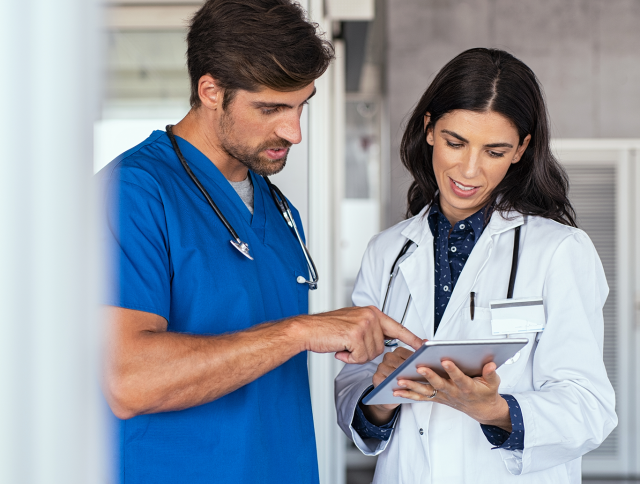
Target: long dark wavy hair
x,y
483,80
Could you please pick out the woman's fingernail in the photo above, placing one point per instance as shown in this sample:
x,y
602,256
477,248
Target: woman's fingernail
x,y
402,384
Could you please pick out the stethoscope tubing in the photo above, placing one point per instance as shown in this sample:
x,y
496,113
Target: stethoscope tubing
x,y
285,210
206,195
392,275
280,201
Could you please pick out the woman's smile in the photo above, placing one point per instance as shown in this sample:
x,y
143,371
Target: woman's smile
x,y
464,191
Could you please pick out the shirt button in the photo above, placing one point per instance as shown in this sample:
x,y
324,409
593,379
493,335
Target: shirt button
x,y
445,288
462,226
454,248
421,432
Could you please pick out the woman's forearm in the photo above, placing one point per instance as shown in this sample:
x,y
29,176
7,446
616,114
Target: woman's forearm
x,y
377,414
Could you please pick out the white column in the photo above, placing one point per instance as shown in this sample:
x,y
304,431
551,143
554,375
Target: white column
x,y
325,195
51,428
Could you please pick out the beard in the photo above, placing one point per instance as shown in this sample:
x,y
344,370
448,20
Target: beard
x,y
249,156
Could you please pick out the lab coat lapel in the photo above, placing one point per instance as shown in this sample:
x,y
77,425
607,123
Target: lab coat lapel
x,y
479,257
417,269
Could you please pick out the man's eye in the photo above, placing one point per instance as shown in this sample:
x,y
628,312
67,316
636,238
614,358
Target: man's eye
x,y
453,145
269,110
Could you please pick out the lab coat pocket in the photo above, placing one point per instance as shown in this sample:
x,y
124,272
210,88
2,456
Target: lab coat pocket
x,y
480,326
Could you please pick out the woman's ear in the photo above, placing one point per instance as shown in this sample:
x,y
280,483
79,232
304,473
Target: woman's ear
x,y
428,129
521,149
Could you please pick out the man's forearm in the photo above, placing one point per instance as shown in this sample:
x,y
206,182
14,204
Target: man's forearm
x,y
151,370
171,371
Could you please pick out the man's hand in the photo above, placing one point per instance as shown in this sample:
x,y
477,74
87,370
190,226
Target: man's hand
x,y
477,397
355,334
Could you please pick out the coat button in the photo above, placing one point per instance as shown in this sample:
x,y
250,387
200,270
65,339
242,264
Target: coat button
x,y
421,431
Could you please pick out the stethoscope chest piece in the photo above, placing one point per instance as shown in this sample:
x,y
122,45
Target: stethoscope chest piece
x,y
242,247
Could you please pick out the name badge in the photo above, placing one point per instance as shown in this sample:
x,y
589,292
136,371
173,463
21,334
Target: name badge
x,y
524,315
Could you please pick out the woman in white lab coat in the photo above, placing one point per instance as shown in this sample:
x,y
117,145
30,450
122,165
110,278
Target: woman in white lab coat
x,y
477,146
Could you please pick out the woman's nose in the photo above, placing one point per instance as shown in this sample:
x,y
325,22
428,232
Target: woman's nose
x,y
470,164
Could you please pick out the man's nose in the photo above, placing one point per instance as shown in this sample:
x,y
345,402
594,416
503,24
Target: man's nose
x,y
289,129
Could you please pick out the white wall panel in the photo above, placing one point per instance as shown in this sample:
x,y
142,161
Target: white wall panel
x,y
601,190
50,409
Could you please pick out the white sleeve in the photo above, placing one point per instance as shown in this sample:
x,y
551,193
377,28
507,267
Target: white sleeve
x,y
350,383
353,380
572,408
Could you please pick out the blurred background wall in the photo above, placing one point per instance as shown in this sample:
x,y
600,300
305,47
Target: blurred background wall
x,y
585,53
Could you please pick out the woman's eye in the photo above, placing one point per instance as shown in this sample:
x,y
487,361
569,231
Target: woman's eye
x,y
453,145
496,154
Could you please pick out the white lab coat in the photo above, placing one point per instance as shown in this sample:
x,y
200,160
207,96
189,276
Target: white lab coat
x,y
559,381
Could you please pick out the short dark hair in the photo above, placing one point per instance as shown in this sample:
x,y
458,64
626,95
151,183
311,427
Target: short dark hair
x,y
484,80
251,44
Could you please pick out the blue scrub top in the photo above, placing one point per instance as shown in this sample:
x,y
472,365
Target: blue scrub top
x,y
174,259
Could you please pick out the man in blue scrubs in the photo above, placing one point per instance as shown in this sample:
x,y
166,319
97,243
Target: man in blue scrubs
x,y
206,367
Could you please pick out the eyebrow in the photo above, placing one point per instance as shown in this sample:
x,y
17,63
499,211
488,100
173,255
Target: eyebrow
x,y
491,145
260,104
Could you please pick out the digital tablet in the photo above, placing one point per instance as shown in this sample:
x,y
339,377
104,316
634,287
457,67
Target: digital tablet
x,y
470,356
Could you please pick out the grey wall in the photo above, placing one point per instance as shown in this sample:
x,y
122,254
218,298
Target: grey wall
x,y
586,54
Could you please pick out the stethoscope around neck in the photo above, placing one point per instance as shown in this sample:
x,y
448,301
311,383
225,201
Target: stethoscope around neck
x,y
278,198
404,253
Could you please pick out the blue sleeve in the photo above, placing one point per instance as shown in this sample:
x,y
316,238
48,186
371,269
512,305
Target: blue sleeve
x,y
366,429
500,438
137,248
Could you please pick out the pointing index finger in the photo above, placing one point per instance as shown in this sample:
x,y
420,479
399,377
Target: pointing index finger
x,y
394,330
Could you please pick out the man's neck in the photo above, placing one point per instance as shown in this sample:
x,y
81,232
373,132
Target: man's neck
x,y
197,129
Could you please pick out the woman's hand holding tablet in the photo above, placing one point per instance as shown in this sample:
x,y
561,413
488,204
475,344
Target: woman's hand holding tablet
x,y
430,374
382,413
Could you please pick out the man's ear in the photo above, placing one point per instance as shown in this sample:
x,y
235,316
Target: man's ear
x,y
428,130
209,92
